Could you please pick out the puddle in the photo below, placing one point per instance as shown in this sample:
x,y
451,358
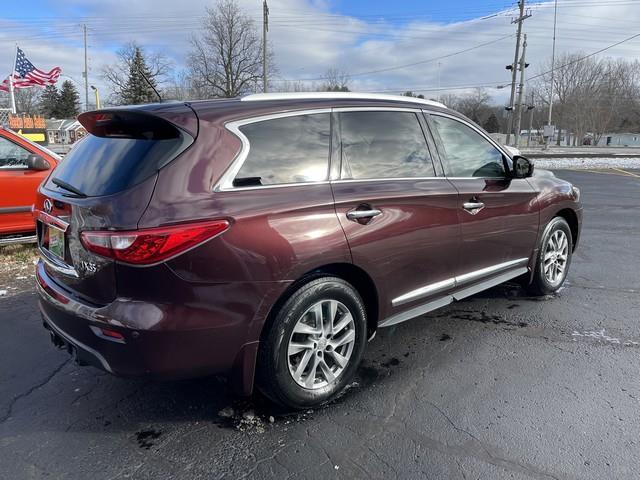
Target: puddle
x,y
444,337
483,317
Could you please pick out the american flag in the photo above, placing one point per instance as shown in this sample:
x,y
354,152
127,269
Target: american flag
x,y
26,75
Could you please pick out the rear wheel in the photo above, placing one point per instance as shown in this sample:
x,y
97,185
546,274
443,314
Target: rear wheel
x,y
554,258
314,345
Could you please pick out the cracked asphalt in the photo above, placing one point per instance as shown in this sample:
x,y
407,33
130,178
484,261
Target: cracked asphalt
x,y
498,386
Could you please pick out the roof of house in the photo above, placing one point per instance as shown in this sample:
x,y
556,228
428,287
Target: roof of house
x,y
62,124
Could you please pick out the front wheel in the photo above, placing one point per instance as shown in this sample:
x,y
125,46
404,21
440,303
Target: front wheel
x,y
554,258
314,345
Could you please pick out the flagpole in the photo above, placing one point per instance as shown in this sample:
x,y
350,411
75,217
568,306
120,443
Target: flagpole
x,y
11,92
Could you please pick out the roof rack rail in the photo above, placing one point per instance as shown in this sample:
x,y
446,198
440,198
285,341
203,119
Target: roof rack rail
x,y
338,96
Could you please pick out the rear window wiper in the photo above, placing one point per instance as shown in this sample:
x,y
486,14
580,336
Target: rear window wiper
x,y
69,188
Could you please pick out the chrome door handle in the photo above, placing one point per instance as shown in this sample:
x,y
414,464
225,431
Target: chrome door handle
x,y
360,214
473,207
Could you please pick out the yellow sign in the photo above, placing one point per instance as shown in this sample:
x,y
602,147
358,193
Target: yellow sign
x,y
34,137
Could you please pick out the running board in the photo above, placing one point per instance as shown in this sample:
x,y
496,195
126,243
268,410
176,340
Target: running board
x,y
447,299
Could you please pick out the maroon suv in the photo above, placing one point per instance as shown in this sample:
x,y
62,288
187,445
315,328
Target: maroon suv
x,y
268,237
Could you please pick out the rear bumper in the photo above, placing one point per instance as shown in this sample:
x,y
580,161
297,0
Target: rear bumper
x,y
156,339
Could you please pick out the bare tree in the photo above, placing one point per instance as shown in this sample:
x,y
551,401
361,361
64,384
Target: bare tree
x,y
117,74
336,80
226,59
475,105
28,100
590,94
293,86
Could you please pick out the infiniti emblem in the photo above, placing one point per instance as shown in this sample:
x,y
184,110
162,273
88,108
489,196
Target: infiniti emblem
x,y
48,206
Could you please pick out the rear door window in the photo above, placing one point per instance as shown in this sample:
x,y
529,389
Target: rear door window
x,y
286,150
12,155
466,152
384,144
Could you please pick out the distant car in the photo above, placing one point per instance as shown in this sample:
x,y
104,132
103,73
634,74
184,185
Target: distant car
x,y
268,237
23,166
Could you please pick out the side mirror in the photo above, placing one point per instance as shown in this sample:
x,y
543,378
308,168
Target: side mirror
x,y
522,167
36,162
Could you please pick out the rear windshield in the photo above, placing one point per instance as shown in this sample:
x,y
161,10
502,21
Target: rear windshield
x,y
99,166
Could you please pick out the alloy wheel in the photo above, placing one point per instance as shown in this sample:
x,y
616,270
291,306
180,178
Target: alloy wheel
x,y
556,255
321,344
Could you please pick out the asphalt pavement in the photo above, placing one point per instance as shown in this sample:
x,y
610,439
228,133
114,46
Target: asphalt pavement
x,y
499,386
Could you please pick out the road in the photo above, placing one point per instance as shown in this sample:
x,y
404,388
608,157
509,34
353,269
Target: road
x,y
498,386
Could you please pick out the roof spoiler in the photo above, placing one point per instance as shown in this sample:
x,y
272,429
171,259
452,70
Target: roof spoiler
x,y
135,124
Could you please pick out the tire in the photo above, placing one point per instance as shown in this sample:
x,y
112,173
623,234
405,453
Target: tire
x,y
281,376
554,258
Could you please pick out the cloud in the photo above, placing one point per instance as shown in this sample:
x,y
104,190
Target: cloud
x,y
307,39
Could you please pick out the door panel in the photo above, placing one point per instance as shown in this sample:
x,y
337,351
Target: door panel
x,y
18,186
504,229
400,219
498,214
412,244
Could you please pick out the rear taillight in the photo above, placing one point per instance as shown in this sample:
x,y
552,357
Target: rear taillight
x,y
151,245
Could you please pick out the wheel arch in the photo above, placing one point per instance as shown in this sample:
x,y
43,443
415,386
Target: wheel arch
x,y
357,277
571,218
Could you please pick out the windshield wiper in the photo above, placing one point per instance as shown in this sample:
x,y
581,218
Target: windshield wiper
x,y
68,188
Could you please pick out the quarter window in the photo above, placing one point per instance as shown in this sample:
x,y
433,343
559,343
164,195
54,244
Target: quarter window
x,y
286,150
383,145
466,152
12,156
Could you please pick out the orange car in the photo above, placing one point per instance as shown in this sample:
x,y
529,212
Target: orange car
x,y
23,166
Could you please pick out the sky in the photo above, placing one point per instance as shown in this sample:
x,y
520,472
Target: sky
x,y
426,46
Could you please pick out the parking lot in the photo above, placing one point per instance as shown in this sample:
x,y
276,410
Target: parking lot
x,y
499,386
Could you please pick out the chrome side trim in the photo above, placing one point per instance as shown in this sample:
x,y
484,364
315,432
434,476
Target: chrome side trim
x,y
225,184
492,282
390,179
416,311
447,299
424,291
22,239
338,96
454,281
24,209
468,277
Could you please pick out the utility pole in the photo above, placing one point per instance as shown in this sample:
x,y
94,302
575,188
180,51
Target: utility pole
x,y
514,66
265,29
523,67
530,108
553,67
86,70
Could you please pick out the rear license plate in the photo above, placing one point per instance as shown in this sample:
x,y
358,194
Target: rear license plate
x,y
56,242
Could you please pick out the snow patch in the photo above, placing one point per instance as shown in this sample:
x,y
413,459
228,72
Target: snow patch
x,y
586,163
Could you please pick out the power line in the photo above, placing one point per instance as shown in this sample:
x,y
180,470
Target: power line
x,y
398,67
588,56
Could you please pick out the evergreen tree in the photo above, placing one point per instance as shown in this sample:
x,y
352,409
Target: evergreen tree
x,y
137,89
492,125
69,101
49,101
